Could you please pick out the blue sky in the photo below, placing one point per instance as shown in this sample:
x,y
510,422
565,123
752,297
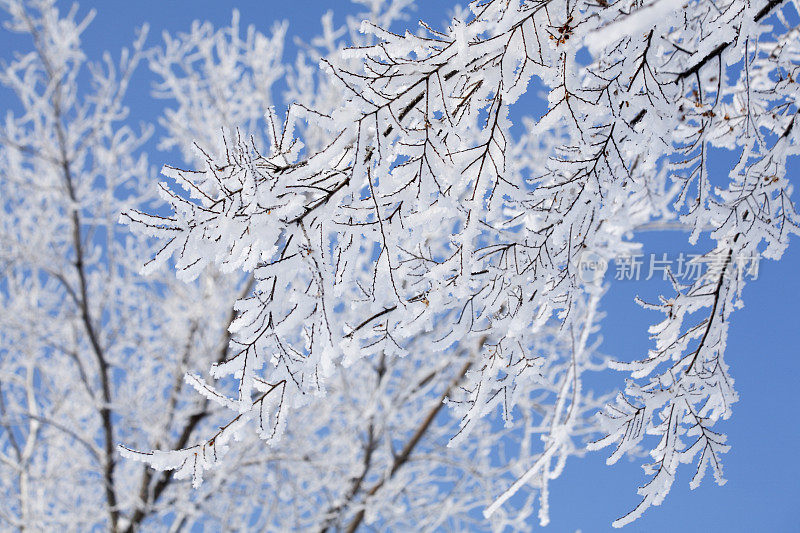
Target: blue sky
x,y
764,431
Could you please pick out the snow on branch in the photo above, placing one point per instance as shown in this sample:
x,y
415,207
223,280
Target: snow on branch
x,y
413,213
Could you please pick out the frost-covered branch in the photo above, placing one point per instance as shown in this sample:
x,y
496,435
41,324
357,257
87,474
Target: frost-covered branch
x,y
412,217
407,250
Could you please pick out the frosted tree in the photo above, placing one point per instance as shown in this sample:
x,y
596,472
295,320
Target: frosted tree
x,y
94,355
412,326
412,219
91,353
381,424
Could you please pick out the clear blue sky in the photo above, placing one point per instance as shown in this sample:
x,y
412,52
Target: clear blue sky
x,y
763,490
